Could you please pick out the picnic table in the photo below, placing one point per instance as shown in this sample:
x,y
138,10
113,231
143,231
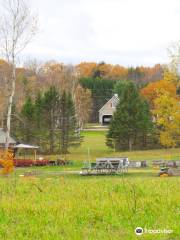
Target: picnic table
x,y
107,165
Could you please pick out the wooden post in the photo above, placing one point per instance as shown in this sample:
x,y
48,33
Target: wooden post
x,y
35,154
89,161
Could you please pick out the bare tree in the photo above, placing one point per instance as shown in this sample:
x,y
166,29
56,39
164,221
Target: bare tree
x,y
174,54
17,28
83,105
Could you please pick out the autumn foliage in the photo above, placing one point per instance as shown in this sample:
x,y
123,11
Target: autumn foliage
x,y
167,114
164,101
155,89
90,85
6,161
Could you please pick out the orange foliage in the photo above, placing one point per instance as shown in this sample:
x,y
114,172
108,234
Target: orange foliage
x,y
6,161
3,62
53,67
85,69
115,72
153,90
104,69
118,72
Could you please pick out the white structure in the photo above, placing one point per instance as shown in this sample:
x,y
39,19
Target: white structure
x,y
12,142
106,112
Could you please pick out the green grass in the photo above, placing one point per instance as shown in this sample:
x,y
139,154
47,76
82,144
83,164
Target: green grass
x,y
95,142
72,207
80,208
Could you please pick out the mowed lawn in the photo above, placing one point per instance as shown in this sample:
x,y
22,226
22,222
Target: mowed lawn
x,y
65,207
95,142
94,145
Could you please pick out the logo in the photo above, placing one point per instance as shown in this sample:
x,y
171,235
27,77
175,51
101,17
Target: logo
x,y
138,231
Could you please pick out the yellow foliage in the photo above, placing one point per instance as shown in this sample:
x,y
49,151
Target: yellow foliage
x,y
167,115
156,89
6,161
166,139
172,77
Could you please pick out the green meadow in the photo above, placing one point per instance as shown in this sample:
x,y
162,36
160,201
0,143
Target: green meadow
x,y
92,208
72,207
94,143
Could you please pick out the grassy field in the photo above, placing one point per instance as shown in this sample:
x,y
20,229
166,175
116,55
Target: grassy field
x,y
71,207
89,208
95,142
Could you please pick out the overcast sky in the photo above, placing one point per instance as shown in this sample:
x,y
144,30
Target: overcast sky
x,y
126,32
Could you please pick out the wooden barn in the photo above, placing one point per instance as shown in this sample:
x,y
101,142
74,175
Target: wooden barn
x,y
106,112
12,142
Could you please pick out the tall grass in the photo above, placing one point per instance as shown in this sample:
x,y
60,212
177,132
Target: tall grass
x,y
80,208
72,207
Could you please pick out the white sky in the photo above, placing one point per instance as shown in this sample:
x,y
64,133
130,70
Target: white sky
x,y
126,32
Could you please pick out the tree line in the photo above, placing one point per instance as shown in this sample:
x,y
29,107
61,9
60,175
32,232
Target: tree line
x,y
88,95
90,84
48,120
146,117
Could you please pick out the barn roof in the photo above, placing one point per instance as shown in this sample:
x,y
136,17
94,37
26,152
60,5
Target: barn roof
x,y
3,138
115,96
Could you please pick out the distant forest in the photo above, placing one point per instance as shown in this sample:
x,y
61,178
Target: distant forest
x,y
53,101
91,81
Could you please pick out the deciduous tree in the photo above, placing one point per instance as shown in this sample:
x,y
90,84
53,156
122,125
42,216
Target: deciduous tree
x,y
18,27
83,105
155,89
167,116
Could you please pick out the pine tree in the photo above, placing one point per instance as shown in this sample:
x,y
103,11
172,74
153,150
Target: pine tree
x,y
39,109
101,89
50,121
119,87
28,115
39,117
131,119
50,105
67,124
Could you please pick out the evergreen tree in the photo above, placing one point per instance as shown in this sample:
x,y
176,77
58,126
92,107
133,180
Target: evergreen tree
x,y
50,106
39,117
50,121
67,123
39,109
102,91
131,119
119,87
28,116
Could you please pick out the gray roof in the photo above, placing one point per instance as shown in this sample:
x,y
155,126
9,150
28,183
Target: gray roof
x,y
114,97
3,138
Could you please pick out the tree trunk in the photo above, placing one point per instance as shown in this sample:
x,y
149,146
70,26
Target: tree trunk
x,y
10,103
144,140
51,132
2,120
130,144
